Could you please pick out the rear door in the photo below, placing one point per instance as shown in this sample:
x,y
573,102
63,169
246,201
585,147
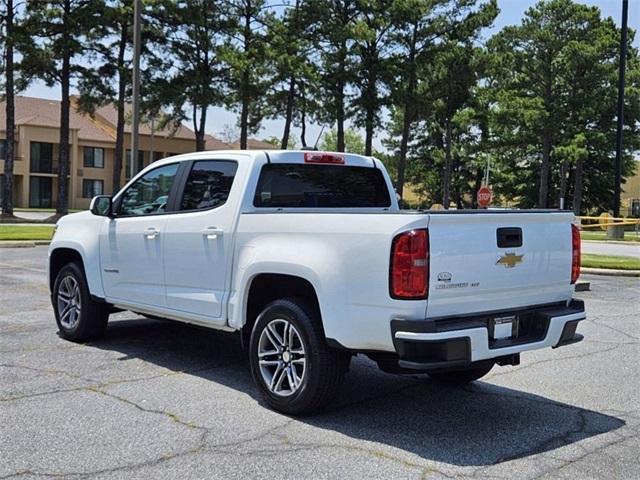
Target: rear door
x,y
482,262
198,240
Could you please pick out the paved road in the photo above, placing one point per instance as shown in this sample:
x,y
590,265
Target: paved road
x,y
603,248
156,399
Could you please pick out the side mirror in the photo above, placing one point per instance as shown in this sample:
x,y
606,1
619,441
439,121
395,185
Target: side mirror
x,y
101,206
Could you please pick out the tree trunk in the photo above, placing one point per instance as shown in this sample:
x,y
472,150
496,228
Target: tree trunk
x,y
340,113
407,119
564,169
577,189
368,143
371,101
7,199
122,80
404,145
476,186
244,116
199,127
446,177
244,90
543,193
62,208
291,95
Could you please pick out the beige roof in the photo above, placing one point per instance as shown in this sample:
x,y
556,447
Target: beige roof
x,y
109,114
212,143
255,144
46,113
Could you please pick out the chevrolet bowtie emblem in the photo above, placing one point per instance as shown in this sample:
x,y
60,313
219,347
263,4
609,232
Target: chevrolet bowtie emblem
x,y
510,260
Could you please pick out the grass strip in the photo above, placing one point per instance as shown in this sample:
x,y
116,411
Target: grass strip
x,y
614,262
20,232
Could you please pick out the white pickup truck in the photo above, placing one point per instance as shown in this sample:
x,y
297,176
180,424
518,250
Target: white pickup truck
x,y
308,256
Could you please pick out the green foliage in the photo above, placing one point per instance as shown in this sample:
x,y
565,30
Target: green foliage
x,y
186,75
353,141
276,142
292,47
536,102
553,83
246,55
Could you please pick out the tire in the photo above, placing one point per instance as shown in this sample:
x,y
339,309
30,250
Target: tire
x,y
463,375
79,318
289,385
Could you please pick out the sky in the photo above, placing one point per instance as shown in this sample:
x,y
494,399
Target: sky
x,y
511,13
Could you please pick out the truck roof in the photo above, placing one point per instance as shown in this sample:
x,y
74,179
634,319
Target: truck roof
x,y
279,156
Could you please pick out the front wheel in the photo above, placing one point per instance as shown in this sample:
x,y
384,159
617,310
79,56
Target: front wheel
x,y
463,375
295,369
79,318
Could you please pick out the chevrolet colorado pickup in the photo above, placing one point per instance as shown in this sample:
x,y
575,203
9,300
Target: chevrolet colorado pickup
x,y
308,256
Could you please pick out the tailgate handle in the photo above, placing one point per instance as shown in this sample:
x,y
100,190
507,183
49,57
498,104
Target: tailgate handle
x,y
509,237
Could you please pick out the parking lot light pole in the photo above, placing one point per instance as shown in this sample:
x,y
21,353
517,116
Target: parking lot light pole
x,y
620,115
135,121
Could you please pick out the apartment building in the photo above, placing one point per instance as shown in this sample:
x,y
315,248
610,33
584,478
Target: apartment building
x,y
91,146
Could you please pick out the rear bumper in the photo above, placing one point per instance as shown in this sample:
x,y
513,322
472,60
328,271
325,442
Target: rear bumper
x,y
454,342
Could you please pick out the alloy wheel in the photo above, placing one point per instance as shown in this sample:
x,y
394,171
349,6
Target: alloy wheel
x,y
281,357
69,302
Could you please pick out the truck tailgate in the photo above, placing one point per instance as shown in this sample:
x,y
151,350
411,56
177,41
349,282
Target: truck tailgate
x,y
477,263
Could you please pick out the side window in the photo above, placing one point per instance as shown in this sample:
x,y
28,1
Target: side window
x,y
149,194
208,184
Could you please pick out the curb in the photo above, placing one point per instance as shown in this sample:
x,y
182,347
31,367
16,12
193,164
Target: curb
x,y
22,243
610,272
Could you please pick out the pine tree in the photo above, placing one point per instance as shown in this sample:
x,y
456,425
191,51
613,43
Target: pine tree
x,y
186,74
553,79
110,81
59,30
248,58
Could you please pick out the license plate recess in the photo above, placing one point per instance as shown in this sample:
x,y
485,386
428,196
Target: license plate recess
x,y
502,327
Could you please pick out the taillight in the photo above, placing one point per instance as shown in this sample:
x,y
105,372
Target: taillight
x,y
575,248
409,271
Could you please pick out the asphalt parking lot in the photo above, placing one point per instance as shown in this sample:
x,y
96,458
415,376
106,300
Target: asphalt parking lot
x,y
156,399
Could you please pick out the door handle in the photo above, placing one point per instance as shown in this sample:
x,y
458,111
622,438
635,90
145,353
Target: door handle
x,y
212,233
151,233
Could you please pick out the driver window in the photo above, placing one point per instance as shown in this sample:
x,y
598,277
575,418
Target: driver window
x,y
150,193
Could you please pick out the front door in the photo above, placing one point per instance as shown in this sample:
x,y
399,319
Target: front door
x,y
198,240
131,243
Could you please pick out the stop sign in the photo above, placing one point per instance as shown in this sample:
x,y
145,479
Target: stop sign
x,y
484,196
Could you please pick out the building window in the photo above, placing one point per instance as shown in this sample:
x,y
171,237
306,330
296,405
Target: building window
x,y
40,192
3,148
41,157
93,157
92,188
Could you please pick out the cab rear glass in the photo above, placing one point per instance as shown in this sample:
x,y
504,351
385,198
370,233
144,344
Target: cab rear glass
x,y
284,185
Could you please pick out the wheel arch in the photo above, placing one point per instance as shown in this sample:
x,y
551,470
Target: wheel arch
x,y
264,288
60,257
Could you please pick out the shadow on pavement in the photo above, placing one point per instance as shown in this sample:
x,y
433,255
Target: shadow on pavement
x,y
480,424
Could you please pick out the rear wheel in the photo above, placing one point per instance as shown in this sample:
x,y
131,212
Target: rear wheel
x,y
79,318
463,375
295,369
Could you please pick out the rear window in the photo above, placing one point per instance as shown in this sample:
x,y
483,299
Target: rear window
x,y
328,186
